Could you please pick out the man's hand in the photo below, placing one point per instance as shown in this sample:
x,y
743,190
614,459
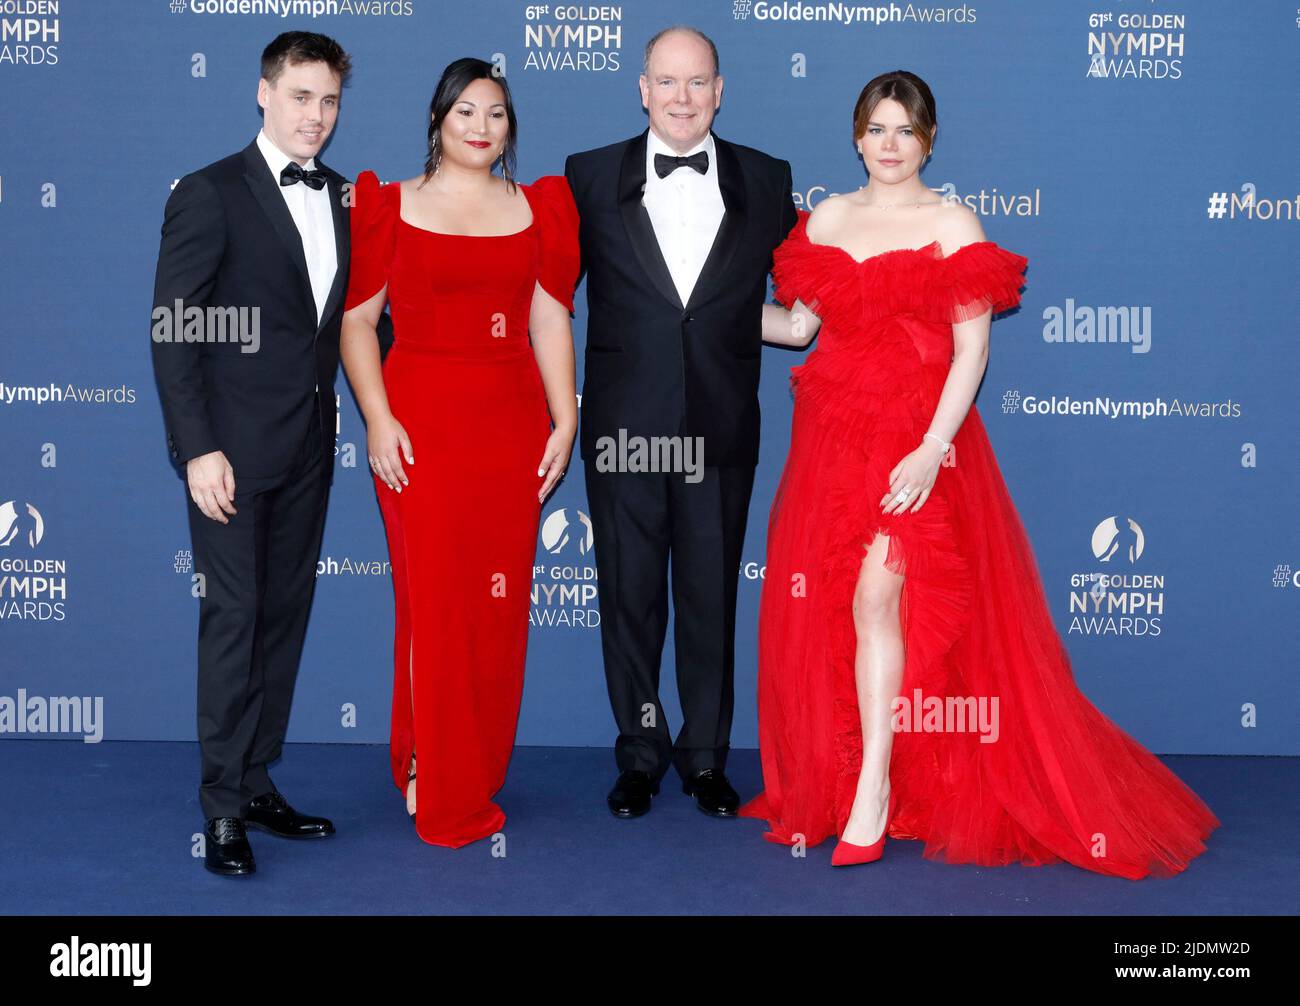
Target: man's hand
x,y
212,485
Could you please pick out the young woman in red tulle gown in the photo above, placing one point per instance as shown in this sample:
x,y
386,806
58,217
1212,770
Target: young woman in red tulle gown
x,y
479,273
898,569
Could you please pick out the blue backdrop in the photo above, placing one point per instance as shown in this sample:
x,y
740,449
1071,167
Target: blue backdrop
x,y
1141,155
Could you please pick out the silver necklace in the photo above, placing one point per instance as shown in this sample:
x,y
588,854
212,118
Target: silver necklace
x,y
882,206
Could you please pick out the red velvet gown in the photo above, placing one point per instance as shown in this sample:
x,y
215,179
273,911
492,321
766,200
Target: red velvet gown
x,y
1061,781
462,380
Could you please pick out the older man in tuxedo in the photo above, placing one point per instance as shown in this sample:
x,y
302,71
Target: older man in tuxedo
x,y
677,232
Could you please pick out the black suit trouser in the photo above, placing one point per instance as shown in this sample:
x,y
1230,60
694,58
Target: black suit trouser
x,y
259,575
643,522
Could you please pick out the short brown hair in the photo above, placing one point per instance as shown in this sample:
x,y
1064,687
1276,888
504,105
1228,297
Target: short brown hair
x,y
303,47
908,90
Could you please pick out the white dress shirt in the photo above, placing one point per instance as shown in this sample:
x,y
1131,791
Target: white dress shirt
x,y
310,209
685,210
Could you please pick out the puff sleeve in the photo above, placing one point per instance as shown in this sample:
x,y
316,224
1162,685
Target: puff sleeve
x,y
556,216
982,277
373,224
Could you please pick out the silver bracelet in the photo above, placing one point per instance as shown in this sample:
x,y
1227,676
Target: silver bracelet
x,y
946,447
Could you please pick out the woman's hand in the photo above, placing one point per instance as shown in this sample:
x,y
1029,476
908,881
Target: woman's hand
x,y
387,444
915,475
555,460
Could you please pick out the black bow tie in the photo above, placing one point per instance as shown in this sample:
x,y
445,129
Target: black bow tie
x,y
293,172
666,164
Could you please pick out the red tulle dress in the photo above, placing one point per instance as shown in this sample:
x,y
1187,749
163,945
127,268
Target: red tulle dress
x,y
1061,781
462,380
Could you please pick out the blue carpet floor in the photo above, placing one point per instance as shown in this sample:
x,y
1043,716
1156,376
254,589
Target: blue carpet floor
x,y
110,829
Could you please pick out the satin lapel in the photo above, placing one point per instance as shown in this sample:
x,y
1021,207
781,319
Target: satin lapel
x,y
732,185
636,220
267,193
342,244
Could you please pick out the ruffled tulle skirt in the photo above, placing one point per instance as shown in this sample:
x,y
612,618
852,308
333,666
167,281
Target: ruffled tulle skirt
x,y
997,756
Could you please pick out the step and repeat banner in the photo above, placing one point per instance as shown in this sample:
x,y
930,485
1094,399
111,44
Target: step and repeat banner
x,y
1142,401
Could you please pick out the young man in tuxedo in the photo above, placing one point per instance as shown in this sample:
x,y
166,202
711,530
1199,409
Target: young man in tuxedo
x,y
262,236
677,232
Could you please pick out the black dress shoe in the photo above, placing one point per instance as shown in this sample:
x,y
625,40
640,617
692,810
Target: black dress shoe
x,y
713,794
271,812
225,849
631,794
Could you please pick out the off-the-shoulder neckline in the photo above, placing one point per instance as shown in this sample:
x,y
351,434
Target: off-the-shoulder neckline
x,y
895,251
803,229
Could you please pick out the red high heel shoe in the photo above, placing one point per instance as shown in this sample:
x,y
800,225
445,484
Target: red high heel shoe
x,y
849,854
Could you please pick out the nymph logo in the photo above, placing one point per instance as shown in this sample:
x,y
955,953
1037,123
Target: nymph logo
x,y
564,592
562,532
1135,45
295,8
1103,406
64,394
1107,539
850,13
1117,600
29,32
31,589
578,37
328,565
11,525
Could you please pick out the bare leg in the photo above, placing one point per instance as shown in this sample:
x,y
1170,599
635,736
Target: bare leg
x,y
878,671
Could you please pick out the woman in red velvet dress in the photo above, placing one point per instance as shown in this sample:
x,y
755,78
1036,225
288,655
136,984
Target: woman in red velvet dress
x,y
898,568
479,273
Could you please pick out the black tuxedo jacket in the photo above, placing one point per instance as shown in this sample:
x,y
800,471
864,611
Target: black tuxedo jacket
x,y
655,366
229,241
